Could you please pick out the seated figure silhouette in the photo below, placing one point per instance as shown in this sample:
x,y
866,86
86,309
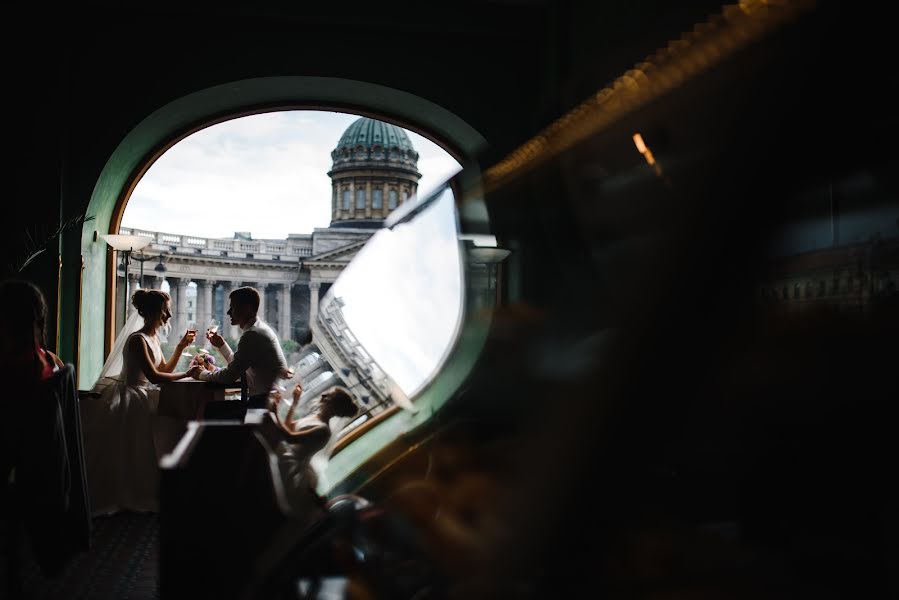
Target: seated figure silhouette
x,y
42,479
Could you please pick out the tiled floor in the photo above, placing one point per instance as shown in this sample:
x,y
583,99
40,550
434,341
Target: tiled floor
x,y
123,563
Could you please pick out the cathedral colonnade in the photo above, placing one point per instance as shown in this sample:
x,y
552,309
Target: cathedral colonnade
x,y
284,306
212,302
209,299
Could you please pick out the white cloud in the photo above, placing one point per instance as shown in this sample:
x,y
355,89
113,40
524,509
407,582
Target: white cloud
x,y
265,173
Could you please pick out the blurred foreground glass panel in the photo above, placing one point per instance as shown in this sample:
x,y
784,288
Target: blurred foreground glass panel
x,y
393,314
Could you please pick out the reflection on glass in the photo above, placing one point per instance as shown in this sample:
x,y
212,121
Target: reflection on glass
x,y
393,313
312,391
483,264
837,249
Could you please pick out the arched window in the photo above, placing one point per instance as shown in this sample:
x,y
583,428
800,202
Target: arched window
x,y
360,198
377,198
101,326
391,199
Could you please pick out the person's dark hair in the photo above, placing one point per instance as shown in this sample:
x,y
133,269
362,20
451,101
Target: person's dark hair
x,y
341,402
24,312
246,296
305,337
149,303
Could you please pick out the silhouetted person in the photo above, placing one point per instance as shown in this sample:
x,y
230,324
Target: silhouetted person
x,y
258,357
308,435
124,436
41,468
23,320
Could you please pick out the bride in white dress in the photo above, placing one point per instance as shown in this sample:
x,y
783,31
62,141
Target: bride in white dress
x,y
124,438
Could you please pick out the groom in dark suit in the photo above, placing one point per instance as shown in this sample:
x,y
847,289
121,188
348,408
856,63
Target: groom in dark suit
x,y
258,357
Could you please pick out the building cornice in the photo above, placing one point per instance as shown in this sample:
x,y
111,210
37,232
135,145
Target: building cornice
x,y
370,170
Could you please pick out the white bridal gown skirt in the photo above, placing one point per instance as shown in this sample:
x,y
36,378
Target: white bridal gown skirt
x,y
124,439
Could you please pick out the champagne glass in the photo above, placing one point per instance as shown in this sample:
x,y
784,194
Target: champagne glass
x,y
213,327
192,327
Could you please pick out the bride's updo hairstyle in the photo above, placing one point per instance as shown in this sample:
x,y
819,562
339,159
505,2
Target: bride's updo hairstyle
x,y
149,303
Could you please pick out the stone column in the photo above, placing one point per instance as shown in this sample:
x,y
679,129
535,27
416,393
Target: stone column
x,y
352,213
335,201
368,199
313,301
233,330
180,309
261,313
284,316
198,302
173,294
204,305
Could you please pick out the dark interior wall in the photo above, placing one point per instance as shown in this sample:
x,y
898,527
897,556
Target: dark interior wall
x,y
31,166
86,77
599,41
81,79
771,422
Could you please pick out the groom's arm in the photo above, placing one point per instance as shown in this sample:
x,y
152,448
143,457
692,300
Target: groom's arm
x,y
227,353
219,343
238,362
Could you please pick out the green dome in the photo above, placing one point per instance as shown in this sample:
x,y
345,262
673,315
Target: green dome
x,y
375,169
371,144
369,133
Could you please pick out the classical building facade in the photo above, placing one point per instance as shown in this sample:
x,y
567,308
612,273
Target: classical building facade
x,y
851,277
374,170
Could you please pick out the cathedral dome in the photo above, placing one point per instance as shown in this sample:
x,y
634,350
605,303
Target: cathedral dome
x,y
371,143
374,170
368,133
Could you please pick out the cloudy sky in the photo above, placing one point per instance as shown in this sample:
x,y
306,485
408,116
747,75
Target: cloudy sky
x,y
266,174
